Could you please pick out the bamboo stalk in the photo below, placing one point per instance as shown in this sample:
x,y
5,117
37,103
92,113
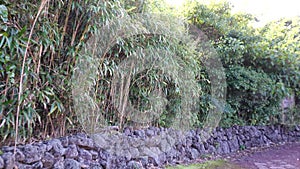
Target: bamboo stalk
x,y
22,72
65,27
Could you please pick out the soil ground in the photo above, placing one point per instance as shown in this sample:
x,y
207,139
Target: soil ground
x,y
281,156
286,156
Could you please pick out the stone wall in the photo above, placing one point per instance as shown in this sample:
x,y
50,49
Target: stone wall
x,y
141,148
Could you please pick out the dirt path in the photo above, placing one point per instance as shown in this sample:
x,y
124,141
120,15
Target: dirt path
x,y
285,156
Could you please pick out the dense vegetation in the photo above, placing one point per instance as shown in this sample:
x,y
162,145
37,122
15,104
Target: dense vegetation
x,y
42,42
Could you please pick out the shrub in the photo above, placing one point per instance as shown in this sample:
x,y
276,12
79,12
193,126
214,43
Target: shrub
x,y
253,94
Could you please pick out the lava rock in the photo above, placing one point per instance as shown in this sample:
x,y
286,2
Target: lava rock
x,y
1,162
193,154
225,148
71,151
134,164
59,164
64,141
38,164
57,147
96,166
85,154
234,144
149,132
32,154
20,156
71,164
48,160
9,160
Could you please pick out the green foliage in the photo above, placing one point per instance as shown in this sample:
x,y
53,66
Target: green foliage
x,y
46,105
12,47
231,50
242,147
215,19
283,50
125,88
253,94
262,65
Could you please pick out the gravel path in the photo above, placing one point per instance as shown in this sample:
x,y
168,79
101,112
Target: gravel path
x,y
285,156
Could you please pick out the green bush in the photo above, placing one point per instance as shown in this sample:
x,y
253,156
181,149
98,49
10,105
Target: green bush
x,y
254,95
262,65
283,51
46,102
